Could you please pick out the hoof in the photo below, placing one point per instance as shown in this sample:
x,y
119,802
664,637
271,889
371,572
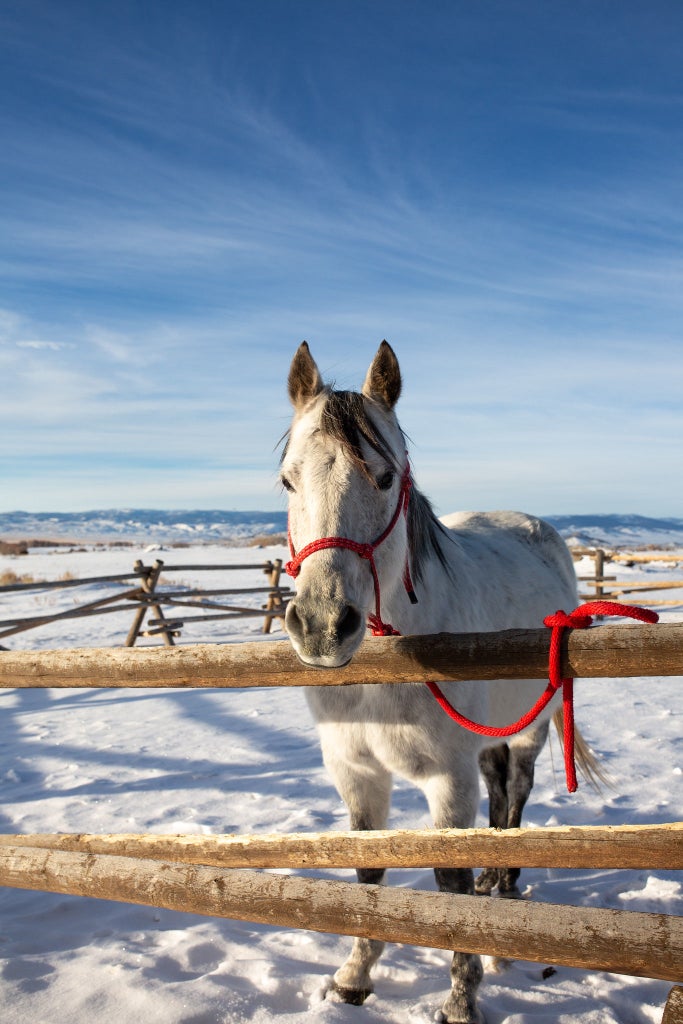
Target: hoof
x,y
497,964
477,1019
510,894
487,881
352,996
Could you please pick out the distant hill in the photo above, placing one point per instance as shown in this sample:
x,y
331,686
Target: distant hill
x,y
619,530
149,525
200,526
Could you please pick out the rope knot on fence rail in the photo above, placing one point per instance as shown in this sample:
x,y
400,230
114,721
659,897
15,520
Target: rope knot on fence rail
x,y
580,618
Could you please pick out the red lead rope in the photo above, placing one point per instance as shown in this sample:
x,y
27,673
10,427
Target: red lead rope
x,y
580,618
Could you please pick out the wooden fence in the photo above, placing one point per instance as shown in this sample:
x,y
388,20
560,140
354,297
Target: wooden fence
x,y
611,588
190,872
147,597
172,608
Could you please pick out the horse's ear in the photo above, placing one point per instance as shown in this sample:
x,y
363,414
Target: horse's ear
x,y
304,380
383,382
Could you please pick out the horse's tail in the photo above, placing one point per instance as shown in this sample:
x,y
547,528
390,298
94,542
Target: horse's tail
x,y
588,764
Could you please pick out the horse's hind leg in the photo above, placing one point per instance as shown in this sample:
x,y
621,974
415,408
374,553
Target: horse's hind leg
x,y
509,775
367,795
524,750
493,764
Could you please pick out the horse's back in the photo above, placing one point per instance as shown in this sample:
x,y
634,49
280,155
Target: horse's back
x,y
513,549
525,528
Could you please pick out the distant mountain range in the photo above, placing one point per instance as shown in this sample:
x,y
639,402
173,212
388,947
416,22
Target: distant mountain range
x,y
137,524
198,526
619,530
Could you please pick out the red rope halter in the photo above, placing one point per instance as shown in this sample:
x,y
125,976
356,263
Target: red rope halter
x,y
367,552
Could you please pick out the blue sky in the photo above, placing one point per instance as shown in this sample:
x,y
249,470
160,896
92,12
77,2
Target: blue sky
x,y
188,190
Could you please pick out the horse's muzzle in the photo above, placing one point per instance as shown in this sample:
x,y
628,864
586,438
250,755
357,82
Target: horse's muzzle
x,y
324,638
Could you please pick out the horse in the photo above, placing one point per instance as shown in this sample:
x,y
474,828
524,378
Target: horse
x,y
367,546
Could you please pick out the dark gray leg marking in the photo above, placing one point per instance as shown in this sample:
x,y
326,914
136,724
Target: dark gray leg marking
x,y
371,876
519,786
493,764
509,775
466,970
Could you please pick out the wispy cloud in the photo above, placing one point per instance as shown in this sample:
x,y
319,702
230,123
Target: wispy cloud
x,y
52,346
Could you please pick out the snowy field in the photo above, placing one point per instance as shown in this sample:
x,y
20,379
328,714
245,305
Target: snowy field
x,y
248,760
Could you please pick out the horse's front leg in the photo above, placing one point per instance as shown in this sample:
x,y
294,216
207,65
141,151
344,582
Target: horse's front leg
x,y
366,792
453,799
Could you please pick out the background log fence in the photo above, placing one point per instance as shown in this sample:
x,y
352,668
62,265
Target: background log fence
x,y
189,873
611,588
170,607
147,597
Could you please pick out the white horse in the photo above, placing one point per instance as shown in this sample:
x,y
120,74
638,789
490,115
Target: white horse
x,y
346,470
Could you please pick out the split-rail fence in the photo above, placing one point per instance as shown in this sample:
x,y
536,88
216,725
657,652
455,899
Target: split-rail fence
x,y
611,588
171,606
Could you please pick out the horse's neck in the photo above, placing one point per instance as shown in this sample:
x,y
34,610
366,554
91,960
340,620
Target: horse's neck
x,y
443,603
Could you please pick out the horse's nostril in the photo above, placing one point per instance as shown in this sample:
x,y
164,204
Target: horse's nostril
x,y
293,620
348,624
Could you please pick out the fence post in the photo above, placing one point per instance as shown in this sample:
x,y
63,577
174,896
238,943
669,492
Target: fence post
x,y
274,602
148,579
673,1011
599,573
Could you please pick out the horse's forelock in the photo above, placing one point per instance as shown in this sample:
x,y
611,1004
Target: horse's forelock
x,y
344,418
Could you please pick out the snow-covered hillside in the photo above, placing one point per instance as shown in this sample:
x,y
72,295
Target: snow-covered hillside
x,y
130,524
198,526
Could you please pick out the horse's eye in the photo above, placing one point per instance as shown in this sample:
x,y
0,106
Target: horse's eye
x,y
286,484
386,480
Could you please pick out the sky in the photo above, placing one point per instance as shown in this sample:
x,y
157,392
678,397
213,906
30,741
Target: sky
x,y
189,190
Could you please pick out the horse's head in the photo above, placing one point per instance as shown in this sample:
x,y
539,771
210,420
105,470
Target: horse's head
x,y
345,468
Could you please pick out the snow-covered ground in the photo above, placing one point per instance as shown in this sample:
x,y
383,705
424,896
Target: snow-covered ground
x,y
248,761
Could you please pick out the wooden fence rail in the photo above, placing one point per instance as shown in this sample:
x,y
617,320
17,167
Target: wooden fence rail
x,y
601,652
579,846
625,942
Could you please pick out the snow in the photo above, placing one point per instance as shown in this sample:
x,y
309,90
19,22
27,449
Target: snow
x,y
249,761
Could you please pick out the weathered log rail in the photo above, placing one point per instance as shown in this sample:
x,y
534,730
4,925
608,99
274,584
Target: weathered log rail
x,y
579,846
601,652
